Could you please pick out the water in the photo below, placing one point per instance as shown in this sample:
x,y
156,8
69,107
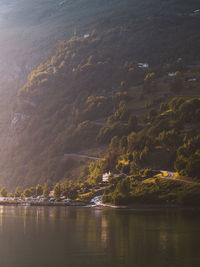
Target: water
x,y
98,237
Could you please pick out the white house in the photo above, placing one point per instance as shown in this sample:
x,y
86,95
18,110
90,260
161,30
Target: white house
x,y
106,176
171,74
192,80
86,35
179,59
143,65
196,11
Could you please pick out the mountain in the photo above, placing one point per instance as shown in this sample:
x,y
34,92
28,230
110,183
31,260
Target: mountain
x,y
105,76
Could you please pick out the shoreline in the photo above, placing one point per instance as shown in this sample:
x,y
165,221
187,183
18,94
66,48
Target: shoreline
x,y
47,204
83,204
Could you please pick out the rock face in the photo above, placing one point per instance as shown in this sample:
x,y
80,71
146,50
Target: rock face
x,y
17,122
19,118
16,126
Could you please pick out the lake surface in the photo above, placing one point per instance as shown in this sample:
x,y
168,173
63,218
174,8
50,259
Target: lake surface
x,y
81,236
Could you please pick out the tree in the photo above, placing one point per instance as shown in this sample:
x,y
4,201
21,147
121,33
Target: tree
x,y
152,114
149,83
131,139
17,192
189,111
169,138
73,193
33,191
69,190
123,144
176,84
46,190
66,187
114,143
57,191
27,192
192,167
132,123
39,190
4,192
175,103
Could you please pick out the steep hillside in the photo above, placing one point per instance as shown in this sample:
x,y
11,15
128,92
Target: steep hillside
x,y
92,86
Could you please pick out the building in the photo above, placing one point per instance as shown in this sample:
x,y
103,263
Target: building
x,y
105,177
171,74
143,65
86,35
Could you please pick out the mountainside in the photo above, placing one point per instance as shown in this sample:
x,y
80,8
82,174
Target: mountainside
x,y
104,82
31,28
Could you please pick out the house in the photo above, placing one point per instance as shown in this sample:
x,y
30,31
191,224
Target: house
x,y
193,79
143,65
197,11
171,74
106,176
179,59
86,35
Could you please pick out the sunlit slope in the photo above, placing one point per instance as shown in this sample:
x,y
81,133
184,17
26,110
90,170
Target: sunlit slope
x,y
77,81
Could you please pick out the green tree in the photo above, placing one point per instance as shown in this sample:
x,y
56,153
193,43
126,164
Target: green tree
x,y
27,192
177,84
39,190
4,192
175,103
46,190
17,192
123,144
192,168
169,138
73,193
132,123
152,114
57,191
66,187
114,143
149,83
33,191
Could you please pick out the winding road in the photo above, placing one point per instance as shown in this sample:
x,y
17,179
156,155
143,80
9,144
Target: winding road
x,y
81,156
171,175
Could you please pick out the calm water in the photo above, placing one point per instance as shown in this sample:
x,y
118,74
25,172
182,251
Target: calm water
x,y
62,237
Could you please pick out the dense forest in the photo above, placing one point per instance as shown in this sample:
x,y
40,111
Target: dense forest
x,y
127,91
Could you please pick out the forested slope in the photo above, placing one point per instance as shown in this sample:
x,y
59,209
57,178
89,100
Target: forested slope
x,y
98,76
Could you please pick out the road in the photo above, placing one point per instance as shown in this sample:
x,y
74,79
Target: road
x,y
72,155
171,175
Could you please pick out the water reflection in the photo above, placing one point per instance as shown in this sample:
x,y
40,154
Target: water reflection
x,y
97,237
104,231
